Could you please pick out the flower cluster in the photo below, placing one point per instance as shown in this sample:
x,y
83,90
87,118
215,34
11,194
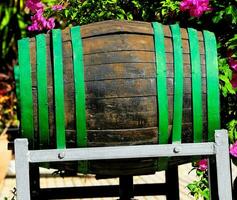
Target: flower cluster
x,y
57,7
195,7
233,149
34,5
39,22
233,66
202,165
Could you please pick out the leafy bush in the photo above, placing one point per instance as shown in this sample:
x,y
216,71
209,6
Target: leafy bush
x,y
12,27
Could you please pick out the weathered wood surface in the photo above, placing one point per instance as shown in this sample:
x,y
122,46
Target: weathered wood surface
x,y
121,94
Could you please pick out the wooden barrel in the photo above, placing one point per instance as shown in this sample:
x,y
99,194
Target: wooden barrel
x,y
118,83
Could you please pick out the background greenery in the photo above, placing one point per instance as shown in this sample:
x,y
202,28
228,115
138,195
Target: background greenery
x,y
13,23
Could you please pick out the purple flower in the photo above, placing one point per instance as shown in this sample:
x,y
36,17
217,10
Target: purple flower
x,y
202,165
234,80
50,23
57,7
195,7
233,149
39,22
233,64
34,5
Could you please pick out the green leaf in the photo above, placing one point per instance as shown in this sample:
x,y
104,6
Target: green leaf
x,y
5,19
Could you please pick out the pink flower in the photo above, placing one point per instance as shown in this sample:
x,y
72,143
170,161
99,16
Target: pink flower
x,y
34,5
196,7
202,165
50,23
233,149
57,7
233,64
39,22
234,80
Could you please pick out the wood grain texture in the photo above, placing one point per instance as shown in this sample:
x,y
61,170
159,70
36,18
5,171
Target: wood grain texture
x,y
117,27
120,88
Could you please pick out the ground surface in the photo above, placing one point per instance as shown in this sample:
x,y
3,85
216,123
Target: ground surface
x,y
54,181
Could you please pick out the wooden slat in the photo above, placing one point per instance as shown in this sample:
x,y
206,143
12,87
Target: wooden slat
x,y
109,43
130,57
121,27
114,137
119,71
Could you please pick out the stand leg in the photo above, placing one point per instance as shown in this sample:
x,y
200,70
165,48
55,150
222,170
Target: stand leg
x,y
126,187
223,165
22,169
34,181
172,182
212,178
235,189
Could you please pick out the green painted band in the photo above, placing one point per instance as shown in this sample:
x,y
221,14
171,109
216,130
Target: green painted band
x,y
26,99
213,97
42,93
196,85
59,89
162,98
80,96
79,86
161,82
178,83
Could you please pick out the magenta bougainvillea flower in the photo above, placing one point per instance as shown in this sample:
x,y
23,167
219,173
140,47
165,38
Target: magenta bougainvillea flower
x,y
233,149
195,7
50,23
57,7
34,5
234,80
202,165
39,22
233,65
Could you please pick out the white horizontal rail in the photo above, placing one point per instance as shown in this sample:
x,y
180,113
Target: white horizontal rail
x,y
121,152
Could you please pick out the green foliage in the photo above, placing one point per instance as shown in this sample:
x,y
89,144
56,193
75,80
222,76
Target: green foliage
x,y
225,11
231,44
88,11
168,11
12,27
199,188
232,128
225,75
